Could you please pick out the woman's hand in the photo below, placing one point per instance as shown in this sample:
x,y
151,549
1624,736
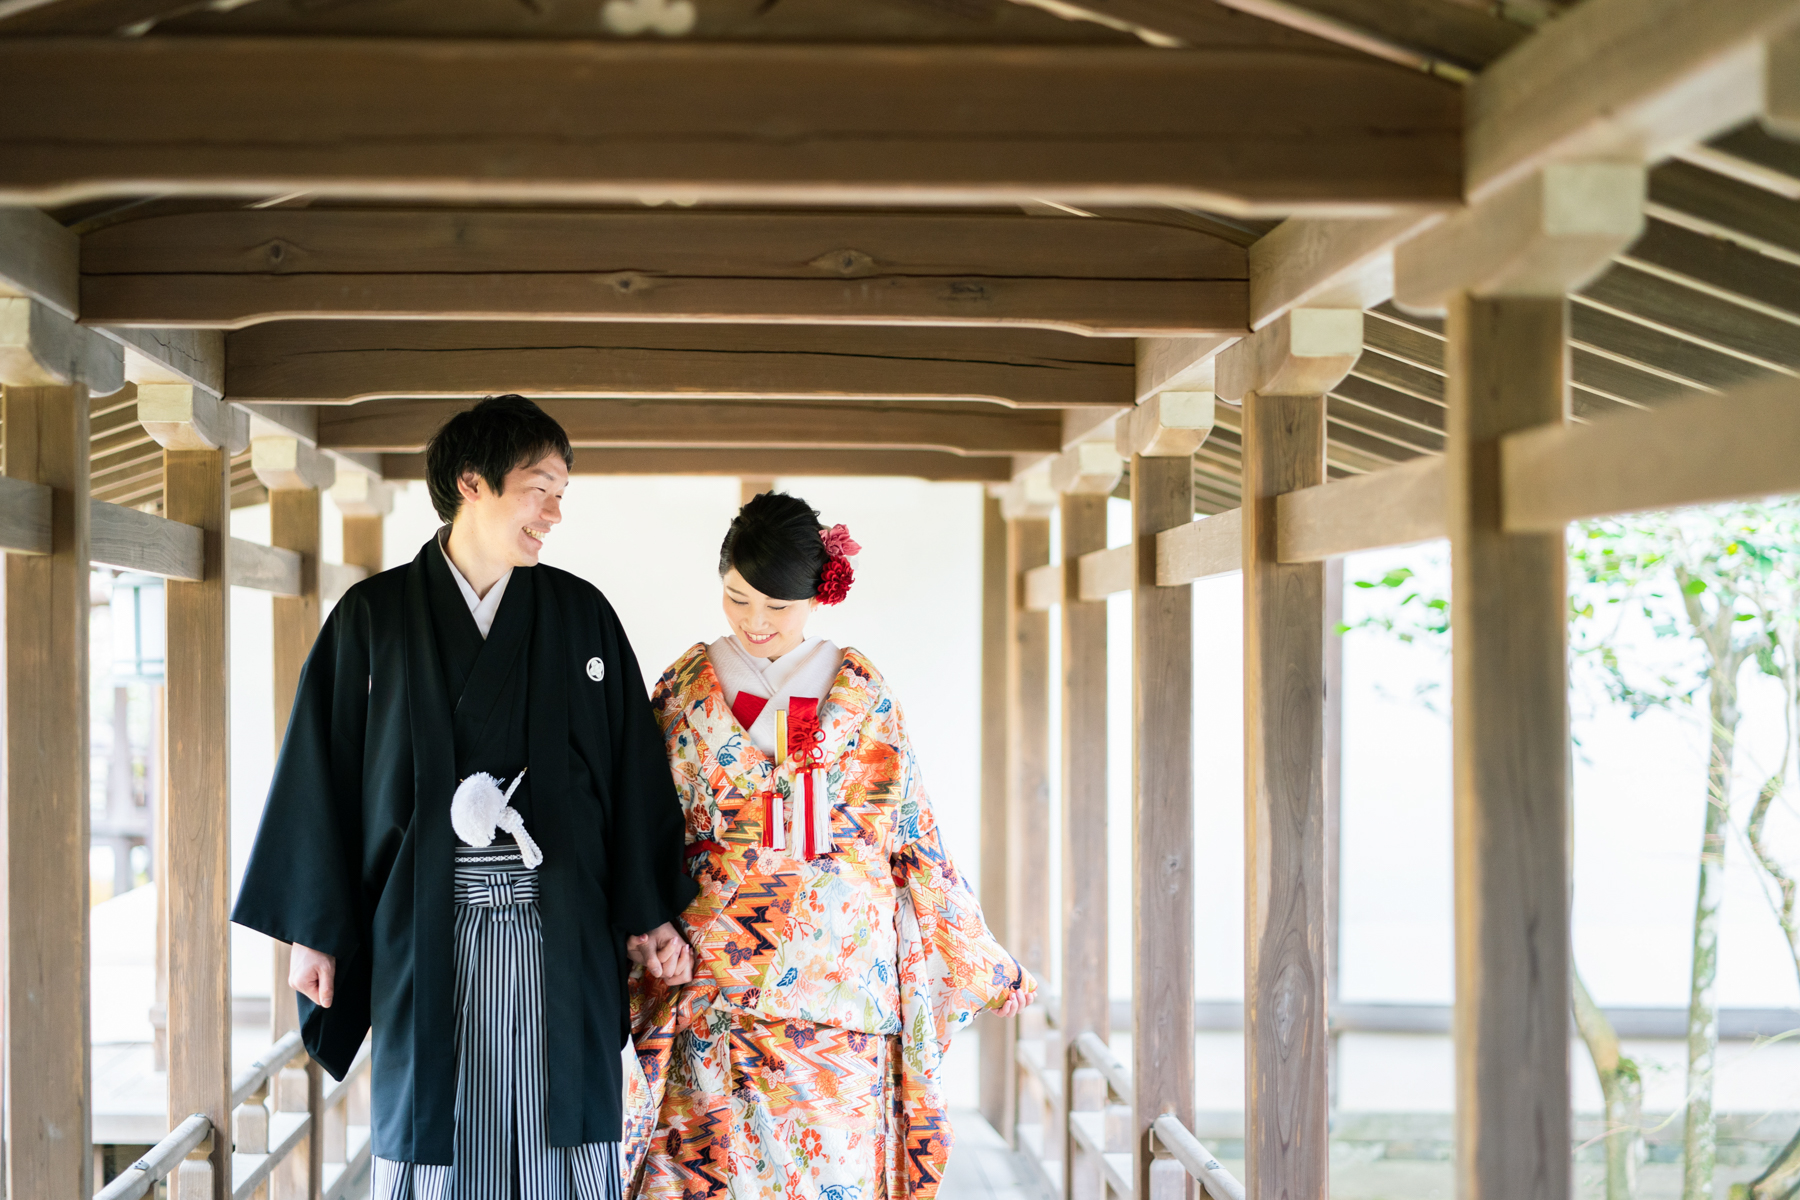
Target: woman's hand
x,y
663,954
1015,1004
312,974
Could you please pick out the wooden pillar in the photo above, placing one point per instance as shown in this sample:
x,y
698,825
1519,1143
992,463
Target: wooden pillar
x,y
1028,763
294,472
48,1109
1500,272
750,489
1086,477
1334,787
364,502
196,491
1162,818
1287,1099
996,601
1281,375
1507,369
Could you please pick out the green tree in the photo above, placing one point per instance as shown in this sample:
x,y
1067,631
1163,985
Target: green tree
x,y
1721,587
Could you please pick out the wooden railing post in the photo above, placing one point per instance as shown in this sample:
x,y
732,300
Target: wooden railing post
x,y
196,491
1086,477
1501,271
48,1106
1027,508
294,472
1281,375
997,1084
1162,824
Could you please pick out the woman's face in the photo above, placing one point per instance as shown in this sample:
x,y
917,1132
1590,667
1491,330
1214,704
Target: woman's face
x,y
763,626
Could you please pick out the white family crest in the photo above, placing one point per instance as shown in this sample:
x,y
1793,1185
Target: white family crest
x,y
596,670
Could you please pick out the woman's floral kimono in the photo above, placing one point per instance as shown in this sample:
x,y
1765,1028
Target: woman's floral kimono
x,y
803,1062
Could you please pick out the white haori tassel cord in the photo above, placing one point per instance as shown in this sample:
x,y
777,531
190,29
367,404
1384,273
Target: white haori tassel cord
x,y
479,807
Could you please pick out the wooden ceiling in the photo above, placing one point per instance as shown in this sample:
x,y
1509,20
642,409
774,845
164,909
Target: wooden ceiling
x,y
763,236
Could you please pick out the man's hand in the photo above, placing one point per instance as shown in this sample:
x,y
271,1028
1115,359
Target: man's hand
x,y
312,974
663,954
1015,1004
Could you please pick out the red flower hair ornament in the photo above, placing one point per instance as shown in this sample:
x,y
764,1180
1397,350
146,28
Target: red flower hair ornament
x,y
835,580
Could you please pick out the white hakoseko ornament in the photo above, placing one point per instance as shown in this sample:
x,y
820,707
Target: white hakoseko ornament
x,y
479,807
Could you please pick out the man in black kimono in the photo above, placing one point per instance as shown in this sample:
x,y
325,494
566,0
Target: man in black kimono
x,y
494,983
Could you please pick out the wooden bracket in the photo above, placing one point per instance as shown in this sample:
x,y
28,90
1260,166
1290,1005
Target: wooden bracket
x,y
39,347
181,416
1305,353
1087,469
1168,425
359,495
288,462
1543,236
1028,498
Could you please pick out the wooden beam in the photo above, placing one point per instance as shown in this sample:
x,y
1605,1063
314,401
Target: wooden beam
x,y
1086,1006
1162,825
1781,81
1510,737
39,347
49,1108
1041,588
1100,275
1703,451
337,578
1326,263
39,259
1203,549
146,543
1548,234
197,491
1622,80
998,1079
194,356
1270,130
1286,1049
1104,573
957,427
1180,364
24,516
1392,507
336,361
916,464
1305,353
266,569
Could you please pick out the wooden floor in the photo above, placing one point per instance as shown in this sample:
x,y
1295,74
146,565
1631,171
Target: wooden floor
x,y
983,1167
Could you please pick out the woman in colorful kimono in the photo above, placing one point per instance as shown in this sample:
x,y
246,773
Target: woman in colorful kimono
x,y
836,947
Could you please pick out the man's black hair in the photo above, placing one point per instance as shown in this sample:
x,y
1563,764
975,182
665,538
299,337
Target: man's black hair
x,y
498,435
774,544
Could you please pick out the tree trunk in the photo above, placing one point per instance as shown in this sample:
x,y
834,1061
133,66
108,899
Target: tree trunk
x,y
1780,1180
1700,1135
1622,1088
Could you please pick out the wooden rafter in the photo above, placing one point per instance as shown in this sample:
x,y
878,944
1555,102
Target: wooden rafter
x,y
961,428
1236,130
334,361
1096,275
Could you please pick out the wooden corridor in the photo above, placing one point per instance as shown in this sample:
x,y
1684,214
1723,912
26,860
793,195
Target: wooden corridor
x,y
1298,278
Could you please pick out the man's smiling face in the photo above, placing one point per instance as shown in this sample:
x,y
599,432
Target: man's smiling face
x,y
511,526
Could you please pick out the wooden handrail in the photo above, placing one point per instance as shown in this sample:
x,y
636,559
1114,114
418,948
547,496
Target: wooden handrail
x,y
1198,1161
263,1069
1099,1055
144,1174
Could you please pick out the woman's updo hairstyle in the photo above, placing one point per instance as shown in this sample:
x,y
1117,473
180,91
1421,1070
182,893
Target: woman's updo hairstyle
x,y
775,544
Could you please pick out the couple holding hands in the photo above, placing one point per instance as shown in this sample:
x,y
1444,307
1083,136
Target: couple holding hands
x,y
702,944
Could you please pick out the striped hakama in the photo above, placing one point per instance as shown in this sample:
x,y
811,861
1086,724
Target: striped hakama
x,y
501,1151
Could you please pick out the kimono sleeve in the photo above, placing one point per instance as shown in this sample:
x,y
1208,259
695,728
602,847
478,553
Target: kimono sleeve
x,y
648,883
304,881
958,968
